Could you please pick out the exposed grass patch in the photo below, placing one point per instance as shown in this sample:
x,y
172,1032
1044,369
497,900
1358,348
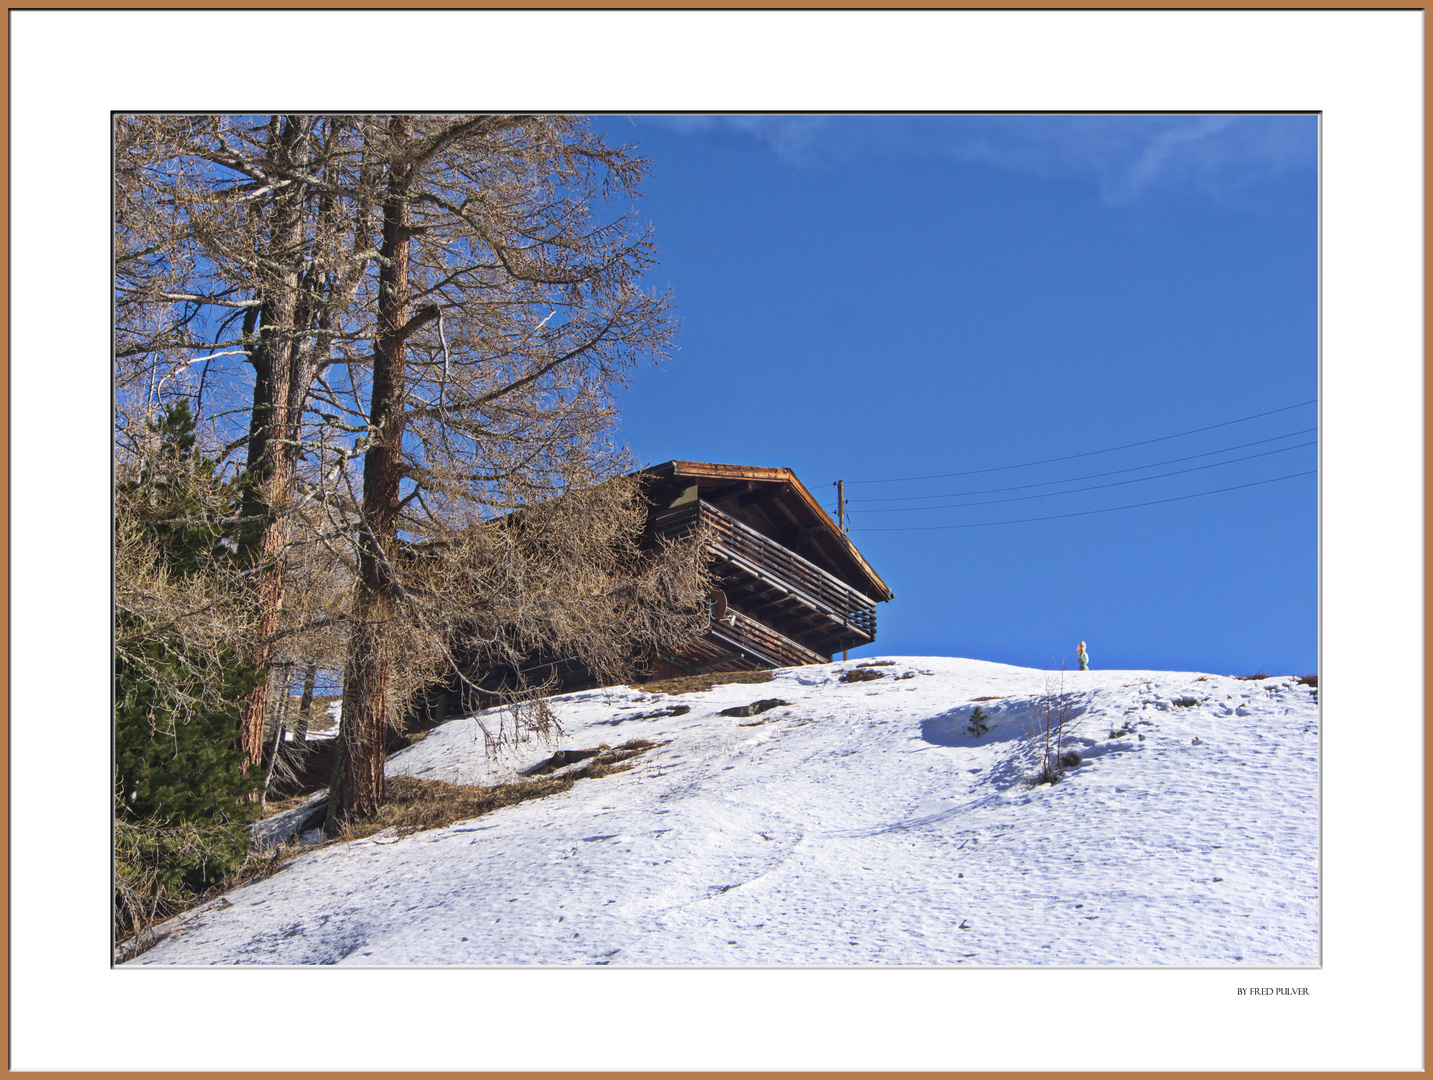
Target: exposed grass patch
x,y
860,674
1258,675
755,707
1308,680
561,759
657,714
991,697
877,663
419,805
693,684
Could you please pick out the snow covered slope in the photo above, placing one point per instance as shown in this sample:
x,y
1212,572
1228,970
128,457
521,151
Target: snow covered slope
x,y
863,823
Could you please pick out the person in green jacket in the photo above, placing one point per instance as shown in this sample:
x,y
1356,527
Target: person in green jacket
x,y
1083,657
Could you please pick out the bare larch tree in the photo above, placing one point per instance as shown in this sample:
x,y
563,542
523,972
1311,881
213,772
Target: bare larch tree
x,y
448,303
235,238
507,312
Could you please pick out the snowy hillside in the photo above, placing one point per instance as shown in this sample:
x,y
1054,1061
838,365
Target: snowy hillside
x,y
864,822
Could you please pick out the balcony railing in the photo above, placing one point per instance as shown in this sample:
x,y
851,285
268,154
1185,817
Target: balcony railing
x,y
750,636
844,607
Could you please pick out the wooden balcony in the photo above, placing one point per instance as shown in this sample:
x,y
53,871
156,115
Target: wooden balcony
x,y
771,584
735,642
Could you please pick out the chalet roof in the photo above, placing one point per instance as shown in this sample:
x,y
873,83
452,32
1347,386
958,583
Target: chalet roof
x,y
773,501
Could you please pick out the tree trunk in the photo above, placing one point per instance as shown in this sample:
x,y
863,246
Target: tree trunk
x,y
273,428
281,723
305,704
376,601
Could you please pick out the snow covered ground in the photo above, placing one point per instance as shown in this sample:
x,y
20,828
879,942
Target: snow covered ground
x,y
864,823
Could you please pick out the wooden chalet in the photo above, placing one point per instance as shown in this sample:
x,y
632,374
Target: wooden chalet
x,y
790,587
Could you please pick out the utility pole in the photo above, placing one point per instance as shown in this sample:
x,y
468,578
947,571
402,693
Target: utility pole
x,y
841,521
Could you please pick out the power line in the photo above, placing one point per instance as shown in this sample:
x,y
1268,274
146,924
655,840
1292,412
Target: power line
x,y
1086,513
1088,476
1092,487
1089,453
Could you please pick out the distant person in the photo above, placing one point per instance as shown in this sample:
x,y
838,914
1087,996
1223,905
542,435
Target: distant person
x,y
1083,657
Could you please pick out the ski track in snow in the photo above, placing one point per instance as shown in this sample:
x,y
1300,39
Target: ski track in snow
x,y
863,824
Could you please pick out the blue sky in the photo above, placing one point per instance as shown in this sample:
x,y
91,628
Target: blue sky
x,y
874,298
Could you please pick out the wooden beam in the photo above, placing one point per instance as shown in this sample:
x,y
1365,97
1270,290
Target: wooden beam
x,y
761,494
730,491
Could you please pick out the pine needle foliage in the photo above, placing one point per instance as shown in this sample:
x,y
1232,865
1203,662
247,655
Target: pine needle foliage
x,y
182,798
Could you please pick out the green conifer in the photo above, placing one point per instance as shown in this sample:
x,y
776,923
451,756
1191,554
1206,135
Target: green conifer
x,y
182,800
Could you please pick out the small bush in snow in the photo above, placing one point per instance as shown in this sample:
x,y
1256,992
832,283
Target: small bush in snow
x,y
1054,718
979,722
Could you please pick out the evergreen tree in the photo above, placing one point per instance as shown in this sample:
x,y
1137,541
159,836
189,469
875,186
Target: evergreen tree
x,y
183,800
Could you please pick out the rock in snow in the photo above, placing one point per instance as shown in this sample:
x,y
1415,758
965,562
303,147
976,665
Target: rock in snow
x,y
866,822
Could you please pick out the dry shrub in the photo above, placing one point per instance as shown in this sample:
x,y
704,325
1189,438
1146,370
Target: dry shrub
x,y
568,576
1055,715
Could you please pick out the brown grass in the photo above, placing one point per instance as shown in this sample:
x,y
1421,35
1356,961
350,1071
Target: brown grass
x,y
418,805
860,674
991,697
692,684
274,806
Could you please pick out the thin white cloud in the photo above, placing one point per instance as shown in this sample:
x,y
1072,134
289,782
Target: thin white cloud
x,y
793,138
1126,157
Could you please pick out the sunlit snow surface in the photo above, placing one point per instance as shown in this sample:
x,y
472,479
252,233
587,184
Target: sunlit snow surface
x,y
863,824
